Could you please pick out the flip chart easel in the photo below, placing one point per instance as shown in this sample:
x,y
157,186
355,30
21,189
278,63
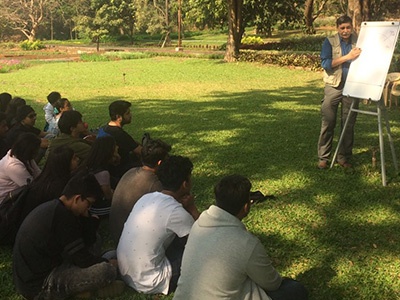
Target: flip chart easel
x,y
367,76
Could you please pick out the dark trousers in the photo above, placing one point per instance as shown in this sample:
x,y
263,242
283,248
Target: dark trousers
x,y
333,97
174,255
69,280
290,289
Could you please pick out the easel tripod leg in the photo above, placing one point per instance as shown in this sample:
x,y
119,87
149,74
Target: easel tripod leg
x,y
342,134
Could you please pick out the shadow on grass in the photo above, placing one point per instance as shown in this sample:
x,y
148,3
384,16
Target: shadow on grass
x,y
345,222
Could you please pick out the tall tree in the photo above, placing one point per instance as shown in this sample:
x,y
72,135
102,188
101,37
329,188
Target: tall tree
x,y
235,29
359,11
310,14
24,16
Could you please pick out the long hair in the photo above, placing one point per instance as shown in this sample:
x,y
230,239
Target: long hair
x,y
25,149
56,168
101,154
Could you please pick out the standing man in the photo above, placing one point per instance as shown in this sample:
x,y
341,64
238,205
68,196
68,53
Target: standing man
x,y
336,55
128,148
222,260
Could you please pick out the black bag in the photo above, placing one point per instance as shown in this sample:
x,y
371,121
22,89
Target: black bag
x,y
10,214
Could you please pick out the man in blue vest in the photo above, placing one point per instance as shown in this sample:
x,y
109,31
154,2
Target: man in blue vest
x,y
336,55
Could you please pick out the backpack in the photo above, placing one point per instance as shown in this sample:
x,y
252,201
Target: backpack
x,y
10,214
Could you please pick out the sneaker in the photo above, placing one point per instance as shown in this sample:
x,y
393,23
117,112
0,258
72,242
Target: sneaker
x,y
114,289
323,164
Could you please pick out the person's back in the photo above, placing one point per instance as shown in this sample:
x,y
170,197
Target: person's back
x,y
133,185
152,241
222,260
218,255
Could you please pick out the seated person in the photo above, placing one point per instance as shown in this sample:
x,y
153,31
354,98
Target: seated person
x,y
71,126
103,155
18,167
25,122
128,148
240,268
49,113
3,131
60,106
51,257
152,241
135,183
11,110
5,99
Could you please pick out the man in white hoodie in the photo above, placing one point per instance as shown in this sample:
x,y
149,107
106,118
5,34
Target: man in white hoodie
x,y
222,260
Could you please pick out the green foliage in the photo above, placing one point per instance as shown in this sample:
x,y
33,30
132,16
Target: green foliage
x,y
32,45
308,60
8,45
252,40
7,66
301,43
93,57
129,55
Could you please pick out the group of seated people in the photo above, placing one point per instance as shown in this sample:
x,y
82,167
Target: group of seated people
x,y
163,243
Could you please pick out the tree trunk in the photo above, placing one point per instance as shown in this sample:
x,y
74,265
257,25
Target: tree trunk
x,y
359,11
308,16
236,30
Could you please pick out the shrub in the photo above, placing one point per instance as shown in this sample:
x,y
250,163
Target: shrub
x,y
11,65
252,40
29,45
92,57
308,60
303,43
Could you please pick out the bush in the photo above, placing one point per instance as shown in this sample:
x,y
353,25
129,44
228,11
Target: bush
x,y
252,40
304,43
92,57
310,60
7,66
29,45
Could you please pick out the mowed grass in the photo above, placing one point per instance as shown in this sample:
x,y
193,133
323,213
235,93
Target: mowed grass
x,y
335,231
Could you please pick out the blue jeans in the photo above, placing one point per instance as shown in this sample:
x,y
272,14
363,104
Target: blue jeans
x,y
290,289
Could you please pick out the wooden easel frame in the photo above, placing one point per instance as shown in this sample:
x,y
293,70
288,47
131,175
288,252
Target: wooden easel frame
x,y
380,110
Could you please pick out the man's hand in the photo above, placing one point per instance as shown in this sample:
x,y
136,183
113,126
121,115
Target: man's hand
x,y
354,53
187,202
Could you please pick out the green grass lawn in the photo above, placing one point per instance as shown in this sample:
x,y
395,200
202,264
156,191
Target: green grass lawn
x,y
335,231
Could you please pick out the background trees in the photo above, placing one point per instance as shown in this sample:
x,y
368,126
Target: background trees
x,y
117,19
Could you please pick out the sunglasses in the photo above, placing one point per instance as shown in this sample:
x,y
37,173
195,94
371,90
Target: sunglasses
x,y
32,116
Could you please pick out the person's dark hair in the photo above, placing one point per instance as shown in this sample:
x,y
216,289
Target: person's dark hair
x,y
5,99
153,151
85,184
22,112
101,153
53,97
12,109
69,119
174,171
343,19
57,166
118,108
232,193
3,116
60,103
25,148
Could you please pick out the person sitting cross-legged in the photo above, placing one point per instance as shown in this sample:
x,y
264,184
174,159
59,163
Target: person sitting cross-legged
x,y
71,127
128,148
135,183
222,260
152,241
51,257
